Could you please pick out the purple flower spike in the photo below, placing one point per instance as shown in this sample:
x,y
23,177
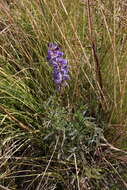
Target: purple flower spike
x,y
59,64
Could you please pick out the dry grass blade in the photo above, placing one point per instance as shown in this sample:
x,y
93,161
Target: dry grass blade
x,y
4,188
20,124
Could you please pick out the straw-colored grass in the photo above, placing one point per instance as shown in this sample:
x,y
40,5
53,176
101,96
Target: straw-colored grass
x,y
53,141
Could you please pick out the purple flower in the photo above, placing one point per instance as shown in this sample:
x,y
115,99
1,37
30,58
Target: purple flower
x,y
53,46
61,61
59,64
52,54
65,74
57,76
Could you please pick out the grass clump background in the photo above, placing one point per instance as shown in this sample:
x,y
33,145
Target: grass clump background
x,y
76,139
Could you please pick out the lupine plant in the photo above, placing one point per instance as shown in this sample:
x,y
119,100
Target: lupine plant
x,y
49,141
59,64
